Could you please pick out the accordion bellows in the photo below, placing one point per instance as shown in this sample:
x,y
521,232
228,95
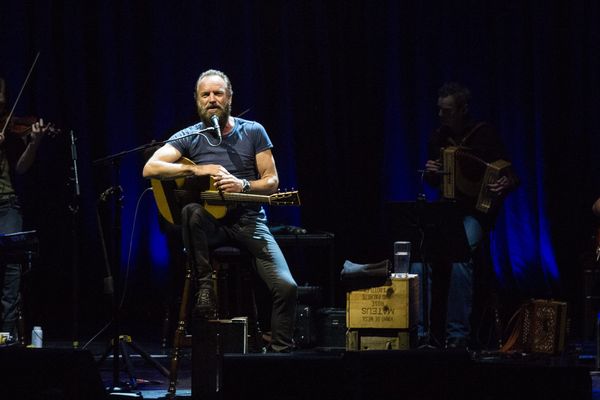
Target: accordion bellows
x,y
466,175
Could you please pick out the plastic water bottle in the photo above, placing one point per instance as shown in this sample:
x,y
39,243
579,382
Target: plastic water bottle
x,y
37,336
598,342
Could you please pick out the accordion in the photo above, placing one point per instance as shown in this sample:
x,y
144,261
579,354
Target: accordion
x,y
468,176
540,327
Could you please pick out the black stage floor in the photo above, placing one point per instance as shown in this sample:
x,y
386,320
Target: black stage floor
x,y
307,374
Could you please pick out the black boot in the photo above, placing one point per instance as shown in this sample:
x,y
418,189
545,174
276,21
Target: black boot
x,y
205,303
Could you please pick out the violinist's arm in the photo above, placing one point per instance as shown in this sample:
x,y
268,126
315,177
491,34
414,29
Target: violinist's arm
x,y
26,160
4,127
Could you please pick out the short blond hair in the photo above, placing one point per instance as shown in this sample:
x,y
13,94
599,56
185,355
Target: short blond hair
x,y
214,72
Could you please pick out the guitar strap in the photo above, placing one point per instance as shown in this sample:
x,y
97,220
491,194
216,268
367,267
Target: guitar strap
x,y
470,133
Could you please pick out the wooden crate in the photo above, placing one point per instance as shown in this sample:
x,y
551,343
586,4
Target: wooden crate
x,y
380,339
394,305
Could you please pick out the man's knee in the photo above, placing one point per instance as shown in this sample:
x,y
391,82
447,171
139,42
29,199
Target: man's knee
x,y
194,215
288,290
188,211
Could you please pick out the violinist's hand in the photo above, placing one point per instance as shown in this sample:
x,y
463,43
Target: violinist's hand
x,y
38,130
501,186
2,137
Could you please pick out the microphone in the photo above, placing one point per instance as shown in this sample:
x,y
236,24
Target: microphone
x,y
215,120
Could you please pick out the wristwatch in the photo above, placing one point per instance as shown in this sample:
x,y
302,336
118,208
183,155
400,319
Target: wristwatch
x,y
245,186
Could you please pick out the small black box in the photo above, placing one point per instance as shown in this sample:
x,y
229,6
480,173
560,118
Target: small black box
x,y
331,328
304,331
210,340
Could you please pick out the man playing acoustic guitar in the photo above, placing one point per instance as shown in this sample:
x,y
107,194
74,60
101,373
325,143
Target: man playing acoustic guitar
x,y
237,157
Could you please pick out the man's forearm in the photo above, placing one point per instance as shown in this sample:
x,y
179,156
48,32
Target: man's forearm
x,y
166,170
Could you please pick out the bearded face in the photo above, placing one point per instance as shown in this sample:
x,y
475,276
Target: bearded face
x,y
213,98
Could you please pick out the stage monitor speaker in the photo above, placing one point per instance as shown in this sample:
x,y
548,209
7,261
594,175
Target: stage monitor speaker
x,y
591,300
57,374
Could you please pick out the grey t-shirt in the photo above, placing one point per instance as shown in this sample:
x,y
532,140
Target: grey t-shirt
x,y
237,153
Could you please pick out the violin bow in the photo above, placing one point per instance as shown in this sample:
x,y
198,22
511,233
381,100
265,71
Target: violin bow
x,y
19,95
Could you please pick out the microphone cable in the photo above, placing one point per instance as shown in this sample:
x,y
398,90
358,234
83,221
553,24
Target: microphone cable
x,y
110,285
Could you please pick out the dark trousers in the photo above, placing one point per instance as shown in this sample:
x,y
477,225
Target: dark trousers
x,y
201,232
10,222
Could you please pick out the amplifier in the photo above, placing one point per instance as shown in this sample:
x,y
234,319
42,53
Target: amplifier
x,y
331,328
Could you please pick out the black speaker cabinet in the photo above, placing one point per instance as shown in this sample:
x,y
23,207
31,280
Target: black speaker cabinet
x,y
331,328
58,374
591,301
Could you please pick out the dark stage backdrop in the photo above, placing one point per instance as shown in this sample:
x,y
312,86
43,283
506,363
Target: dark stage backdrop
x,y
347,92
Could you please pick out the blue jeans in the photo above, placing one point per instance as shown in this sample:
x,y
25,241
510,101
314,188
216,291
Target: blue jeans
x,y
10,222
460,290
202,231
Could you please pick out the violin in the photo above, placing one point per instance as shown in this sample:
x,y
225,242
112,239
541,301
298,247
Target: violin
x,y
22,126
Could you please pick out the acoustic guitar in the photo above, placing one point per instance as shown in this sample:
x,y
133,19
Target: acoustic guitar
x,y
174,194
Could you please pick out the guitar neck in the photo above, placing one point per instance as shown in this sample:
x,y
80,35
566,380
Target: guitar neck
x,y
213,195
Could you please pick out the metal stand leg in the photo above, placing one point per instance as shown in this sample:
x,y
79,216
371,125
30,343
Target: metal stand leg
x,y
124,342
179,339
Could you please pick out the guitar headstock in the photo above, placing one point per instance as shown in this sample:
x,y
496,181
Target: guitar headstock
x,y
291,198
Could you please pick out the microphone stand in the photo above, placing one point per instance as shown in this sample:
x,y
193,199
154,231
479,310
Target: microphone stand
x,y
74,208
420,210
111,158
119,341
440,239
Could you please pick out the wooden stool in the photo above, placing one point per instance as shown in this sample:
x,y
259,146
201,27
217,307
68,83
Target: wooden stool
x,y
227,264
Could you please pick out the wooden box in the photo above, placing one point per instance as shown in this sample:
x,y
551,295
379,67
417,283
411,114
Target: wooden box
x,y
380,339
394,305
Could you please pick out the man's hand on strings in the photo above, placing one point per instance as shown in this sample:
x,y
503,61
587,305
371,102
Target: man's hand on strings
x,y
226,182
223,180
